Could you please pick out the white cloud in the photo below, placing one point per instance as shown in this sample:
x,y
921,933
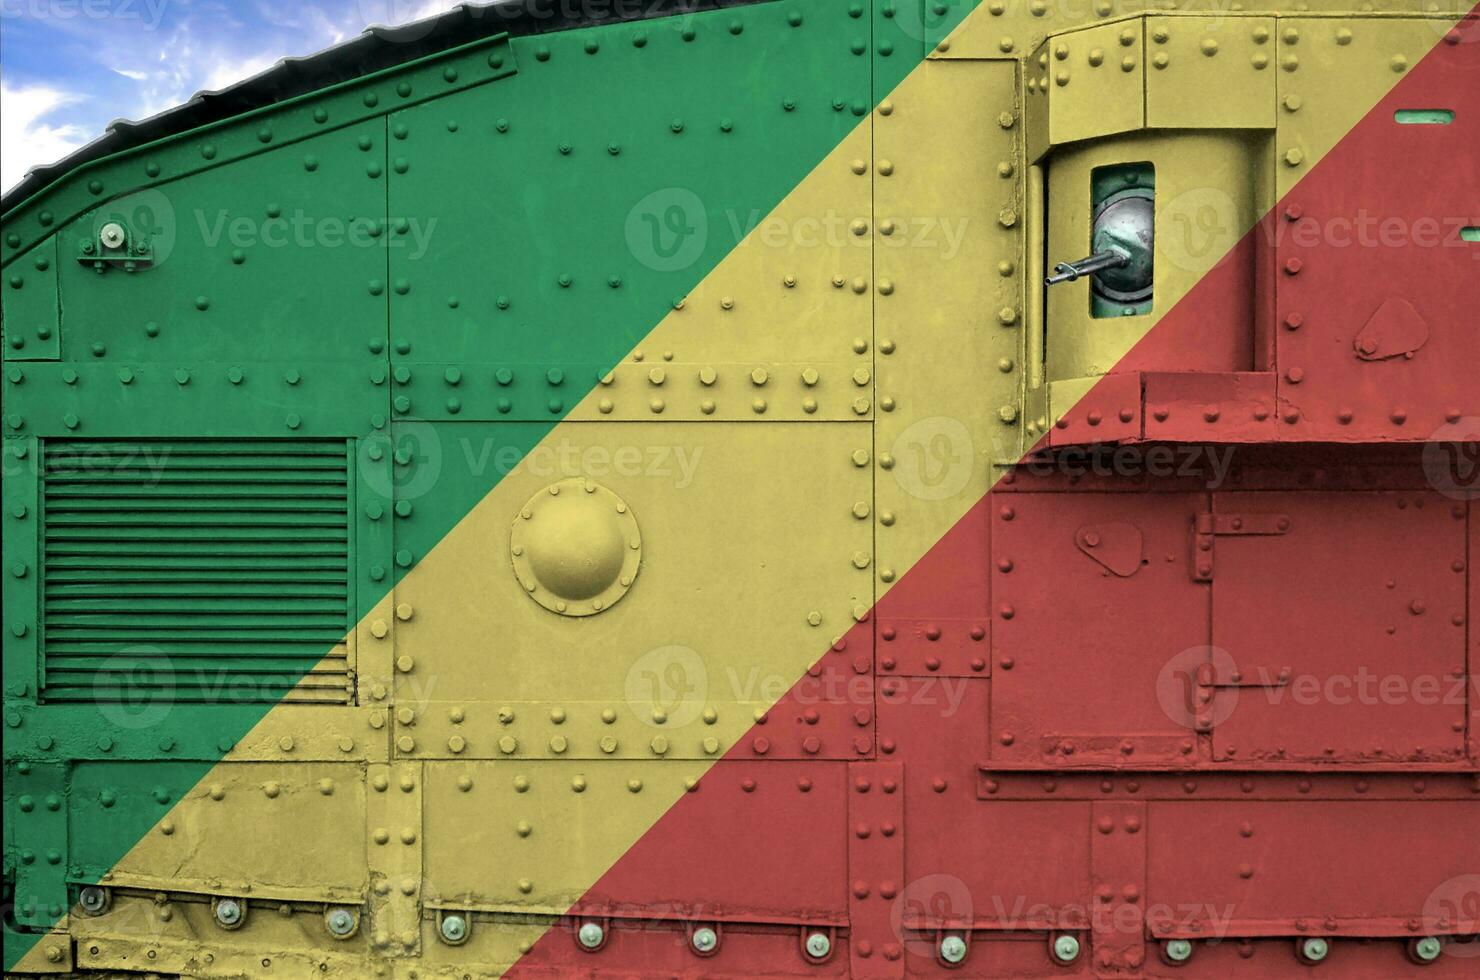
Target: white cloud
x,y
27,139
231,71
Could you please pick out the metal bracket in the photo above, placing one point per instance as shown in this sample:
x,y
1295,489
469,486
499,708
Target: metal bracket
x,y
1215,677
1208,526
131,256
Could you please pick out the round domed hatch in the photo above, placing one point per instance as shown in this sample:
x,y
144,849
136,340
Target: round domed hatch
x,y
575,547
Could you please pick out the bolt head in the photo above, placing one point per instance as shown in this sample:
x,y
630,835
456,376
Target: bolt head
x,y
112,235
705,939
1315,949
818,945
93,900
229,912
454,928
953,949
1428,948
591,935
340,922
1066,949
1178,950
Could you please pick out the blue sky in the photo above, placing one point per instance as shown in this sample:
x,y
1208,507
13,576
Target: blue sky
x,y
69,67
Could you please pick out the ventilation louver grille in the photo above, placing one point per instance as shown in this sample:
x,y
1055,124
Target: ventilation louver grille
x,y
202,571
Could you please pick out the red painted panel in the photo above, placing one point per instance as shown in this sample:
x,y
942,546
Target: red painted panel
x,y
646,949
1230,407
935,620
1377,293
1347,628
1109,412
1087,640
876,883
756,841
1338,868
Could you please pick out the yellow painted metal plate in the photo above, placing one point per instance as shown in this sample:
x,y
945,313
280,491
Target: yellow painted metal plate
x,y
948,177
1089,82
259,829
483,672
1212,72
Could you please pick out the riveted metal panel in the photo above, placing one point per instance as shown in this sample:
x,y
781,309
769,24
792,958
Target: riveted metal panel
x,y
1087,83
201,842
641,680
226,246
36,830
395,819
1237,406
950,216
630,211
1342,637
1286,868
1212,72
19,545
1118,849
876,835
1343,69
519,837
29,310
1376,285
1094,602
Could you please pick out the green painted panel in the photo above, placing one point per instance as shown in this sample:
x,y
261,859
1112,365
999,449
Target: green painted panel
x,y
231,251
28,306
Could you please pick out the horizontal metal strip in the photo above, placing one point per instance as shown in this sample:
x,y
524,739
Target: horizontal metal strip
x,y
191,564
152,465
149,634
256,494
84,506
218,515
301,651
216,467
134,609
200,549
270,447
192,608
188,533
186,696
147,476
181,625
204,673
57,590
